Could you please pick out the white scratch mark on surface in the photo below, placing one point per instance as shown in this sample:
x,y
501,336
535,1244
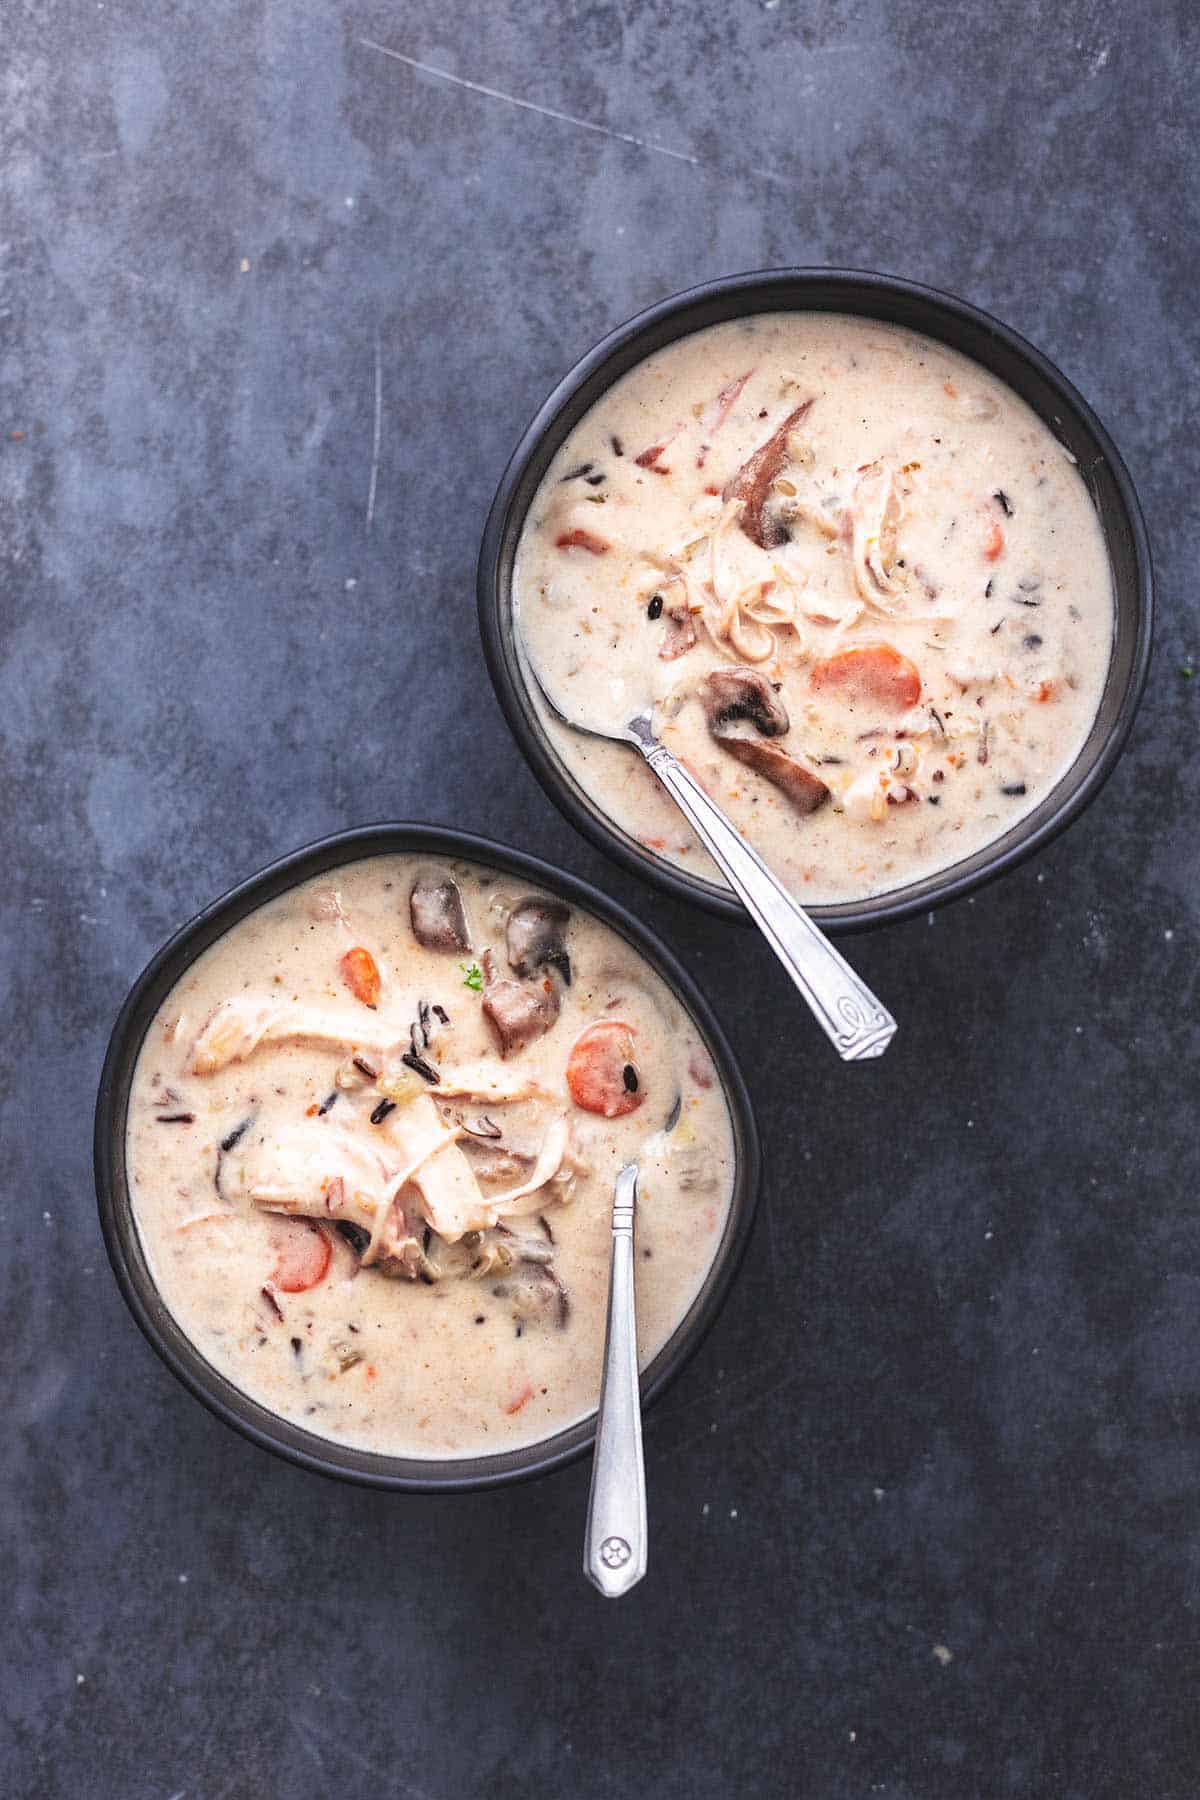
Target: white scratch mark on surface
x,y
377,437
754,1379
381,1773
552,112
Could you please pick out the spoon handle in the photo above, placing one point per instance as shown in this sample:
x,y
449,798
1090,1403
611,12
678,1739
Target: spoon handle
x,y
844,1006
614,1555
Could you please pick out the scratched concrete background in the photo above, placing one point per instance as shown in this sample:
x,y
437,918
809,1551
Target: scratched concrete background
x,y
924,1510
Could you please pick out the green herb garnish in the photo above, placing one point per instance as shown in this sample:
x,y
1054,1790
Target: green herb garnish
x,y
472,977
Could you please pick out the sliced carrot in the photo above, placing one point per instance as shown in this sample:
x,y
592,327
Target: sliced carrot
x,y
993,540
581,540
303,1254
875,674
360,972
601,1073
518,1400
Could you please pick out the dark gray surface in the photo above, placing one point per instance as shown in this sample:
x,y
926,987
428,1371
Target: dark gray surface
x,y
954,1401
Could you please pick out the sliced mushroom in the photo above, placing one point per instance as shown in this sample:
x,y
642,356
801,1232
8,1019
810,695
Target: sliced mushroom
x,y
460,1261
741,693
499,1250
534,937
535,1294
517,1011
439,919
752,484
805,790
733,696
694,1170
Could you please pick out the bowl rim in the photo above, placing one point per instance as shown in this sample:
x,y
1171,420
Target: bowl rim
x,y
271,1431
936,305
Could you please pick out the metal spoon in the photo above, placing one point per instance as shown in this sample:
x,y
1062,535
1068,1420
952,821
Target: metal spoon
x,y
614,1546
614,1550
858,1025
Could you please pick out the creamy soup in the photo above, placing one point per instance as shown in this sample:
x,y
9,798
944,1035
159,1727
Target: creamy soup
x,y
864,584
372,1139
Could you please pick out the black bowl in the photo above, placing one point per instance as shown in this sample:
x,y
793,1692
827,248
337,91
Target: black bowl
x,y
962,327
124,1246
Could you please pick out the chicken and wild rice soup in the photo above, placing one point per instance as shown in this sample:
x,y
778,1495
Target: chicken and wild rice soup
x,y
869,582
371,1143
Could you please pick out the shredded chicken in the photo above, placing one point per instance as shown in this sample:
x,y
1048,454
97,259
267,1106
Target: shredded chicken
x,y
679,634
319,1171
747,622
742,620
730,515
239,1025
479,1081
514,1201
873,526
309,1170
451,1200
